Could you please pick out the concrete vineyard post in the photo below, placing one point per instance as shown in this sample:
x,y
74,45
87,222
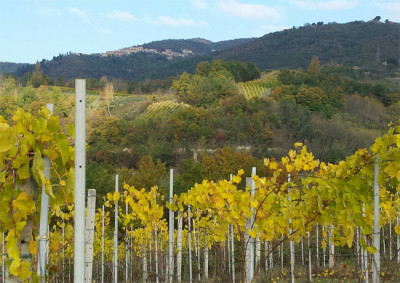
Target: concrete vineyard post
x,y
80,179
365,254
44,217
205,257
376,264
190,246
309,257
3,258
232,244
102,244
179,246
316,244
89,235
115,261
331,248
126,247
171,227
233,254
291,243
156,250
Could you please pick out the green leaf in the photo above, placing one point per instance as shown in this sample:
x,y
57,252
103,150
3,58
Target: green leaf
x,y
37,168
20,160
23,172
2,176
7,138
63,145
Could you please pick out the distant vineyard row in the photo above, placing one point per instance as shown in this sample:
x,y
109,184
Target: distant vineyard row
x,y
254,89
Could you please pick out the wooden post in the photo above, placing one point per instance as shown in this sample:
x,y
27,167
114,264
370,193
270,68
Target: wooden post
x,y
89,235
80,180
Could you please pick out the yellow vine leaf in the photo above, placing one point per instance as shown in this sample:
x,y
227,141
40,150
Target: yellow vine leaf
x,y
273,165
236,179
289,167
7,138
371,249
253,233
298,144
33,246
254,203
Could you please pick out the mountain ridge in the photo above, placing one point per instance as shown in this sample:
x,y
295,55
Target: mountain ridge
x,y
370,45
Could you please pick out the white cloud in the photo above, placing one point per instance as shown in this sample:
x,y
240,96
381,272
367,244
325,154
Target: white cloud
x,y
264,29
249,11
326,5
79,13
121,16
49,12
105,31
168,21
392,8
200,3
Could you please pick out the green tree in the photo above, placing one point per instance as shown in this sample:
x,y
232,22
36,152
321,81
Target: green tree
x,y
205,90
60,81
314,66
314,98
149,173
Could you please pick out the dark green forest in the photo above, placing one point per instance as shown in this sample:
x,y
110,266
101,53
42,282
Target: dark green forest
x,y
369,47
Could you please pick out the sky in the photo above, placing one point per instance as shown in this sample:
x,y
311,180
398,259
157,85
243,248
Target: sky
x,y
32,30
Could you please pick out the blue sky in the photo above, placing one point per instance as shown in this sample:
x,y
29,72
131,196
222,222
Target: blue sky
x,y
32,30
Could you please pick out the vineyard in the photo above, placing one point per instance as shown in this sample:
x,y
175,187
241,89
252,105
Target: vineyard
x,y
162,109
304,220
254,89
